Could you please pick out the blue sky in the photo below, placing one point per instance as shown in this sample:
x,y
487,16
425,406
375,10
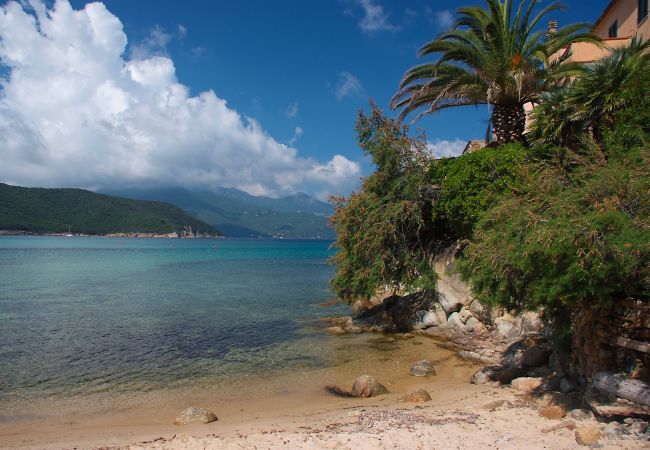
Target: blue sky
x,y
301,69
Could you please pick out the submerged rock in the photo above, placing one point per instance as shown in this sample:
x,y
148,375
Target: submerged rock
x,y
195,415
367,386
334,330
423,368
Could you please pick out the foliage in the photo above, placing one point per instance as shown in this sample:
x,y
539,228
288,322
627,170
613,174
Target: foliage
x,y
381,230
576,233
54,210
586,107
494,55
472,184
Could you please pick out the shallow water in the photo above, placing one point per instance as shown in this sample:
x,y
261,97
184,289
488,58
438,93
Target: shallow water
x,y
86,315
95,327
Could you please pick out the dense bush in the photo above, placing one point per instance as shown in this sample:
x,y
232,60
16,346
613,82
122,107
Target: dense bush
x,y
567,238
472,184
381,231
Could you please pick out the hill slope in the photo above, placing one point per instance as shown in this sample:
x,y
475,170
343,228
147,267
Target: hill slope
x,y
54,210
238,214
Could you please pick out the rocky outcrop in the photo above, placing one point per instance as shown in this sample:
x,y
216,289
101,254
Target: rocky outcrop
x,y
479,332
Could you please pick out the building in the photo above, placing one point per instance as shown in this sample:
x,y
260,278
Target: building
x,y
617,25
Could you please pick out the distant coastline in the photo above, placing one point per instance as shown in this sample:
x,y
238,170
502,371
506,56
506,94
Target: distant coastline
x,y
173,235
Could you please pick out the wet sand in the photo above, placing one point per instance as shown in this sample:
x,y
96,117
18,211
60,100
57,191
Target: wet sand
x,y
290,409
107,419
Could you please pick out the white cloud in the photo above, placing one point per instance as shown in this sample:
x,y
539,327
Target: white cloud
x,y
75,111
296,134
444,19
445,149
155,44
292,110
348,85
374,17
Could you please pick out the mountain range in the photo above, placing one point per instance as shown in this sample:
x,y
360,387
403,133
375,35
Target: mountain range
x,y
40,210
238,214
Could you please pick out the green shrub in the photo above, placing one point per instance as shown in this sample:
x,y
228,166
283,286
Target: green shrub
x,y
381,231
472,184
569,237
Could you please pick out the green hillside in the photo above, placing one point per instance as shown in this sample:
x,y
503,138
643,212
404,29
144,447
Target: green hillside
x,y
238,214
54,210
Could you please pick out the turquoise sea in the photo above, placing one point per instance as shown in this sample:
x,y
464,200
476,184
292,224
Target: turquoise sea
x,y
87,315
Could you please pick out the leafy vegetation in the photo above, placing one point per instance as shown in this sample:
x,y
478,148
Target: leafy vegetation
x,y
495,55
585,108
54,210
551,227
382,231
471,184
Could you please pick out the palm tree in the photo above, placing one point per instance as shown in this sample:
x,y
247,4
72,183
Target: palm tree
x,y
496,56
585,107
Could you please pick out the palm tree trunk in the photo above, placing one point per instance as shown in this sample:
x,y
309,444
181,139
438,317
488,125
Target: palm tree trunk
x,y
509,123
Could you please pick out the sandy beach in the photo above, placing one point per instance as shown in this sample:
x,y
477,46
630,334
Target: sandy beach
x,y
293,410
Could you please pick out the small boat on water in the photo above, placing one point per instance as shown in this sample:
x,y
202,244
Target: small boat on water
x,y
69,233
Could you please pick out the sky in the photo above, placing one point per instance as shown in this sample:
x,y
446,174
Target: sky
x,y
259,95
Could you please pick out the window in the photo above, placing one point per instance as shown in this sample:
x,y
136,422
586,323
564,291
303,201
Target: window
x,y
643,10
613,30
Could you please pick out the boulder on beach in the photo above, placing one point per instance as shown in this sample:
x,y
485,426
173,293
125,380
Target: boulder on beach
x,y
367,386
195,415
419,396
423,368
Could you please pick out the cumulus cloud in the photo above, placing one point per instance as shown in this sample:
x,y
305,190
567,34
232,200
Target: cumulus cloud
x,y
348,85
445,149
75,111
374,17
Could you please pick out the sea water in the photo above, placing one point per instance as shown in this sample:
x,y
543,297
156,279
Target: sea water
x,y
87,315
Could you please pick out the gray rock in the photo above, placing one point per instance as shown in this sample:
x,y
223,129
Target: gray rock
x,y
496,373
535,356
434,317
423,368
455,324
195,415
473,325
567,385
614,431
367,386
448,298
481,312
506,327
464,314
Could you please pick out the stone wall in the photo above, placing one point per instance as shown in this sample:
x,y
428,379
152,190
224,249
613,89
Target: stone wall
x,y
615,338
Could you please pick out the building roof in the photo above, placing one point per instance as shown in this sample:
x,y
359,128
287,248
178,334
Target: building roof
x,y
604,13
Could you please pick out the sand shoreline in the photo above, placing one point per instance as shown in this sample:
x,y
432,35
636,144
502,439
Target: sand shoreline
x,y
457,418
294,411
